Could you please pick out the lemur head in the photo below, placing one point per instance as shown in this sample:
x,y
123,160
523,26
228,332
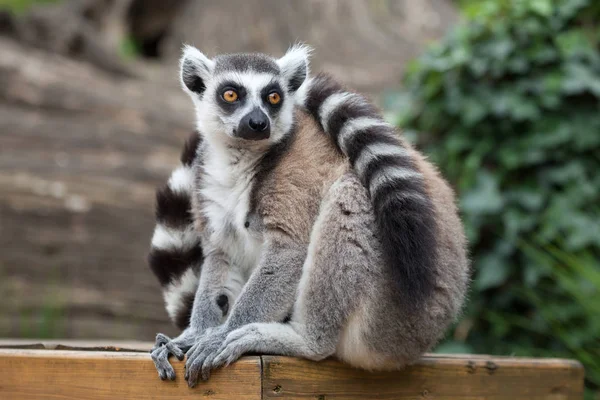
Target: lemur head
x,y
244,98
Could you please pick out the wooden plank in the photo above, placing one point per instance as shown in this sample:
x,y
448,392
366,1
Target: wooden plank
x,y
92,375
434,377
77,344
49,374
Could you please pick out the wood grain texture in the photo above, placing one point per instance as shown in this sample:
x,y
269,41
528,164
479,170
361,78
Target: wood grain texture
x,y
76,344
434,377
96,375
45,374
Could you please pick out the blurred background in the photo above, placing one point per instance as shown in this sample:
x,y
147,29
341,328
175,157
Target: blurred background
x,y
504,95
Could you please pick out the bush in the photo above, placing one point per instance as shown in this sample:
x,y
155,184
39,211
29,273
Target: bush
x,y
21,6
510,103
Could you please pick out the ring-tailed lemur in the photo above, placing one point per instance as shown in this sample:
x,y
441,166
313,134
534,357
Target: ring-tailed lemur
x,y
308,203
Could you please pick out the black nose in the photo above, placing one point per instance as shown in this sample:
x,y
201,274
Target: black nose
x,y
254,126
258,121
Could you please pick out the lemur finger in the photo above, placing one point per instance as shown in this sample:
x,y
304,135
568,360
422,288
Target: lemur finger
x,y
162,365
191,358
161,339
227,354
224,357
170,373
195,364
237,343
175,350
207,367
191,371
155,355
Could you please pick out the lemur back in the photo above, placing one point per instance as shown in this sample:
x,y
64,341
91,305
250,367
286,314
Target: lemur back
x,y
307,207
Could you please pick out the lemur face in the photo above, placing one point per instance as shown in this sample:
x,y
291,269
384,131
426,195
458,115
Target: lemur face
x,y
244,97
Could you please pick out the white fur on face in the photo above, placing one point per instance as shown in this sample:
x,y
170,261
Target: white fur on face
x,y
217,125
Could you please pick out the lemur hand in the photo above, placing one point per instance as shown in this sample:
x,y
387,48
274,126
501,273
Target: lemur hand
x,y
165,347
202,353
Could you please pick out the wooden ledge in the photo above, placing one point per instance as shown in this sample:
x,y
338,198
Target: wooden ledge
x,y
93,374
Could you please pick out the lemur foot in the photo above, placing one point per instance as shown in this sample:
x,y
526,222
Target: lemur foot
x,y
165,347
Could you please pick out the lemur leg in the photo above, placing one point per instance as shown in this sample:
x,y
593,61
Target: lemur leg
x,y
210,305
335,278
268,296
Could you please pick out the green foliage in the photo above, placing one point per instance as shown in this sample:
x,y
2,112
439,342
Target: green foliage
x,y
20,6
508,106
129,49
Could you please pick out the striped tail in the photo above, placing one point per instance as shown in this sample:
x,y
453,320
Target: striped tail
x,y
403,209
176,253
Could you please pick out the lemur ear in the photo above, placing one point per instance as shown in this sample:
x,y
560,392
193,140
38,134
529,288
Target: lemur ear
x,y
294,65
196,69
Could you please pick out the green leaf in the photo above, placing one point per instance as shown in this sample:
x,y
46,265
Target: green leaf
x,y
484,197
574,43
580,78
491,272
542,7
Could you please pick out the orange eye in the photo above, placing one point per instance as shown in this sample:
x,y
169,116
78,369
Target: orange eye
x,y
230,96
274,98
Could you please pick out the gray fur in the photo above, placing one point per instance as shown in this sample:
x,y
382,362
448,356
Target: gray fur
x,y
255,62
268,296
306,209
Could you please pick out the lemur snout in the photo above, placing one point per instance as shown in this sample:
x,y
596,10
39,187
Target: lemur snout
x,y
254,126
258,124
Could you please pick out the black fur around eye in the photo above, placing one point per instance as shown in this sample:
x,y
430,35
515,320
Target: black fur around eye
x,y
273,95
229,96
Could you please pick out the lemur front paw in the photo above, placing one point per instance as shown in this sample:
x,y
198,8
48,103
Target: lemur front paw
x,y
236,344
202,353
165,347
